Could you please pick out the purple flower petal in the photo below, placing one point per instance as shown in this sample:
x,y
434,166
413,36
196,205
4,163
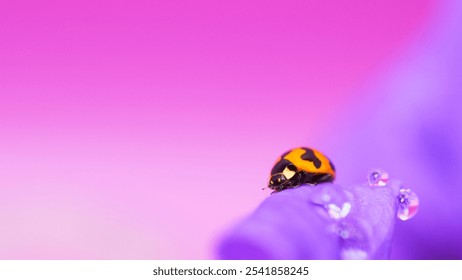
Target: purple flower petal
x,y
323,222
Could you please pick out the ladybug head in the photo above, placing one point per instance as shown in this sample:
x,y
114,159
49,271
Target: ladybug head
x,y
279,181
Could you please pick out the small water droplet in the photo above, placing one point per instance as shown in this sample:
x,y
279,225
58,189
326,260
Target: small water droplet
x,y
353,240
377,178
333,202
408,204
353,254
344,234
327,194
337,213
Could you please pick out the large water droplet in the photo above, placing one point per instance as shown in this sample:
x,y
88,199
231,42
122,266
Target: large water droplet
x,y
408,204
377,178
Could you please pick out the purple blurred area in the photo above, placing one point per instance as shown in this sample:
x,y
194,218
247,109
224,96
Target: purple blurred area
x,y
410,123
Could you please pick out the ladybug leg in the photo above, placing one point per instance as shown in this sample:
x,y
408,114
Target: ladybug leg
x,y
281,188
302,178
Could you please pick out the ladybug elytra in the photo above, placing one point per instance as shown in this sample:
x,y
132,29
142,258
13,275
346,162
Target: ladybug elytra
x,y
301,166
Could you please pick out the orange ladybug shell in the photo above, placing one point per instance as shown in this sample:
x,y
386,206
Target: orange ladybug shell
x,y
301,166
308,160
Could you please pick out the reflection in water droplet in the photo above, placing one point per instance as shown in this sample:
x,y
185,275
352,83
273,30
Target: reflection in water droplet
x,y
377,178
408,204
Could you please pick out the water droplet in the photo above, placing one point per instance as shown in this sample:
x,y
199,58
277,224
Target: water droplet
x,y
337,213
326,195
353,240
377,178
344,234
408,204
332,201
353,254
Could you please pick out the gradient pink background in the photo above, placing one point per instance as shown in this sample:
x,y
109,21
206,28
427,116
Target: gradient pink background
x,y
144,129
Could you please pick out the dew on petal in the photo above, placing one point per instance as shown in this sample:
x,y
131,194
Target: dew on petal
x,y
408,204
337,213
353,254
332,201
326,195
353,241
377,178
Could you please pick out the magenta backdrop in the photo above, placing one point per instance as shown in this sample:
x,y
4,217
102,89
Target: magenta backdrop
x,y
143,129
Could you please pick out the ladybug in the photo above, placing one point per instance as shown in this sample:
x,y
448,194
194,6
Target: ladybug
x,y
300,166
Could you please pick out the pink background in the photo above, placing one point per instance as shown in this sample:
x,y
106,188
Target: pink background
x,y
144,129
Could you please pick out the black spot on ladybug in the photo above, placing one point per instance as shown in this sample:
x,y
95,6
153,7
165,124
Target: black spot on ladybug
x,y
292,167
280,166
310,156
